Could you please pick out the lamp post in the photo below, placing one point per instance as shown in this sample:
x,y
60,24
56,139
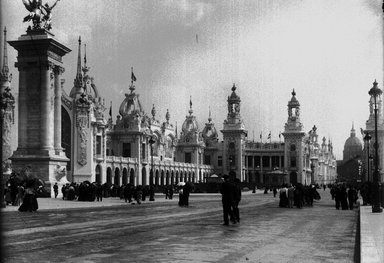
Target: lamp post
x,y
376,92
2,109
367,139
152,194
151,142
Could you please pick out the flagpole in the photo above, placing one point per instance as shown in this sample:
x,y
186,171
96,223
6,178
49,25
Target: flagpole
x,y
131,76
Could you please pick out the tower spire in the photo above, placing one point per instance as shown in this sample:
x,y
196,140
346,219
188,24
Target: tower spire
x,y
5,69
79,76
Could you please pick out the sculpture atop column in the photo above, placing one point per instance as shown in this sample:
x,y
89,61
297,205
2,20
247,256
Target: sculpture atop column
x,y
40,14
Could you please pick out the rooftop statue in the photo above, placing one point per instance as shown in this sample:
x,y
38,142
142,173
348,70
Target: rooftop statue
x,y
40,14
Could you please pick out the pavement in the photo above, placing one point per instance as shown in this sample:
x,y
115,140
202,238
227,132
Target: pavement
x,y
371,235
371,225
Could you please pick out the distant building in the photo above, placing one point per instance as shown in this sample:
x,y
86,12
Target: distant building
x,y
349,169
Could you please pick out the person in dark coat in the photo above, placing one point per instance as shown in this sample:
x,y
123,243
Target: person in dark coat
x,y
237,199
56,189
227,191
344,197
128,193
30,201
352,197
151,193
99,192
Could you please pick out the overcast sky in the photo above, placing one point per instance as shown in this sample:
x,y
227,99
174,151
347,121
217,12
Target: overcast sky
x,y
329,51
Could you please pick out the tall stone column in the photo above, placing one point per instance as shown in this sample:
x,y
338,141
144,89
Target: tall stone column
x,y
39,58
57,111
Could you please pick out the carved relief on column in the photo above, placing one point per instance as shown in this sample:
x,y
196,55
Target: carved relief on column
x,y
82,123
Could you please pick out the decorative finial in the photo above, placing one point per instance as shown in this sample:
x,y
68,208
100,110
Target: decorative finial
x,y
167,116
190,105
293,92
209,118
233,87
153,111
133,78
85,68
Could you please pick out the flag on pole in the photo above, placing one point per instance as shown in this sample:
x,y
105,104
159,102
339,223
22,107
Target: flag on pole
x,y
190,102
269,135
110,110
133,77
280,135
261,135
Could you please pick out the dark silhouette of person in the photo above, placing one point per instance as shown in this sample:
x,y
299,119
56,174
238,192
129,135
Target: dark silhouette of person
x,y
56,189
227,191
237,199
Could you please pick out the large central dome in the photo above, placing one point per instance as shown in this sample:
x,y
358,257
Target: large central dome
x,y
352,147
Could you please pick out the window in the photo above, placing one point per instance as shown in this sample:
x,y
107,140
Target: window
x,y
293,147
188,158
250,161
266,162
98,144
293,161
219,161
126,150
143,151
207,159
257,161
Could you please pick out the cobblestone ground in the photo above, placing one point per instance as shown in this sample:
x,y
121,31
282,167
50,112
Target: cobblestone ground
x,y
164,232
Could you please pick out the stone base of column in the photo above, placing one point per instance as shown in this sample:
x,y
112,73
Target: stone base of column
x,y
48,168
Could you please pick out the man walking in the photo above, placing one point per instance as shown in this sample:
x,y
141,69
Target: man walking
x,y
56,189
227,191
237,199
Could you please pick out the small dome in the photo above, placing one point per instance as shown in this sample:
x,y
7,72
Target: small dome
x,y
293,102
190,125
209,132
130,105
234,97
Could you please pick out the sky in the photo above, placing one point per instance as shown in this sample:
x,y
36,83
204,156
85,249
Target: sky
x,y
329,51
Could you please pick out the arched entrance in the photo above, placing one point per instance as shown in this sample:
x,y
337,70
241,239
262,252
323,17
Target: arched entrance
x,y
151,177
167,178
109,175
293,178
132,177
162,178
116,180
66,129
143,176
125,176
172,178
157,178
98,178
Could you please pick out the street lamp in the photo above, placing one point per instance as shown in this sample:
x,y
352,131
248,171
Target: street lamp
x,y
367,139
152,194
376,92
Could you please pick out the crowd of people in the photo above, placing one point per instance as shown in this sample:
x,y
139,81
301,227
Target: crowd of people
x,y
87,191
345,196
298,195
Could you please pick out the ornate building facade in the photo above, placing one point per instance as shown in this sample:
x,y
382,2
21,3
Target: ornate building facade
x,y
78,142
